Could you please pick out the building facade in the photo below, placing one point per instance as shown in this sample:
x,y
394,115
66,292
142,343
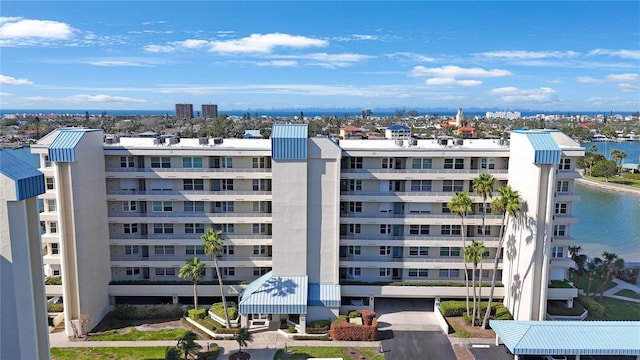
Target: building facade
x,y
184,111
209,111
327,226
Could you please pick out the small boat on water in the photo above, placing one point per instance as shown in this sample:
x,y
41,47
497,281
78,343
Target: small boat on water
x,y
599,137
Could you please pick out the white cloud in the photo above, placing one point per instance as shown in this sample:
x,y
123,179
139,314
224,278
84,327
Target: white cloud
x,y
159,48
16,28
452,82
622,78
452,71
356,37
8,80
278,63
526,96
589,80
326,60
629,88
527,55
621,53
132,62
409,57
264,43
2,93
102,99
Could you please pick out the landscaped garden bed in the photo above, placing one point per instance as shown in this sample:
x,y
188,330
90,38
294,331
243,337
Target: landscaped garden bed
x,y
349,353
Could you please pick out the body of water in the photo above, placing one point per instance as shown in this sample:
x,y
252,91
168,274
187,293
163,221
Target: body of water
x,y
609,220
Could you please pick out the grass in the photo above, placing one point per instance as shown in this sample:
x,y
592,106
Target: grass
x,y
615,309
557,308
628,293
617,180
109,353
305,352
583,282
137,335
459,331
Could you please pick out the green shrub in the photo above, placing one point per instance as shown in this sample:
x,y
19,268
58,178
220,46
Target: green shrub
x,y
319,324
341,318
560,284
125,312
51,280
596,310
453,308
131,312
307,337
233,331
355,314
52,308
232,309
197,314
291,330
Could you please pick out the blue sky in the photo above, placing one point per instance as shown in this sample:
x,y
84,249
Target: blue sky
x,y
561,55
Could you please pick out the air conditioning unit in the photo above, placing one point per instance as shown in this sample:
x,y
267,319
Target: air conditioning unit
x,y
217,141
203,141
173,140
459,142
443,142
108,141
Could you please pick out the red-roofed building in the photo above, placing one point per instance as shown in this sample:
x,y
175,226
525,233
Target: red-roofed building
x,y
467,132
350,132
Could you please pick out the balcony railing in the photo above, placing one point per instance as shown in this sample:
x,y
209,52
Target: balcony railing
x,y
139,257
194,170
187,192
415,237
178,214
452,259
447,194
416,216
425,171
188,236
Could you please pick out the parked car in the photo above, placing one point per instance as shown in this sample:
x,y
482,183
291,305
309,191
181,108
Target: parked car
x,y
555,357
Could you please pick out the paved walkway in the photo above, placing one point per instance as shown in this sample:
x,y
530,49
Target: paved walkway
x,y
622,285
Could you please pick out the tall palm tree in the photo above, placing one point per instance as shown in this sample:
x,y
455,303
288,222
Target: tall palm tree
x,y
473,254
508,204
460,205
580,261
593,267
187,343
483,186
243,337
611,263
193,269
213,245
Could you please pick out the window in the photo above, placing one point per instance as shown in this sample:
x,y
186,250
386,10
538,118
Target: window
x,y
160,162
55,250
193,184
163,228
384,272
561,208
259,249
457,164
129,206
131,249
51,204
131,271
130,228
56,272
445,208
259,271
565,164
126,161
355,206
557,252
450,229
225,228
226,162
487,208
560,230
166,271
449,273
261,162
354,228
192,162
355,272
261,184
355,162
488,163
47,163
229,271
228,250
53,227
160,184
194,206
354,250
418,251
50,183
562,186
387,163
420,185
262,206
452,185
194,250
449,251
421,163
418,273
487,230
161,206
385,229
385,250
264,229
226,184
194,228
419,229
355,185
163,250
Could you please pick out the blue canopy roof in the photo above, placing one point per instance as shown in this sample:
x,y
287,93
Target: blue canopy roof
x,y
63,148
546,150
327,295
271,294
29,182
289,142
569,337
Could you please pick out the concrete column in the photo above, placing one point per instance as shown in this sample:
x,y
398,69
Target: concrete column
x,y
303,323
244,320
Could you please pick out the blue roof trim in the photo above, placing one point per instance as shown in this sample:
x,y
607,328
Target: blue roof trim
x,y
398,127
271,294
29,182
62,149
327,295
289,142
569,337
546,149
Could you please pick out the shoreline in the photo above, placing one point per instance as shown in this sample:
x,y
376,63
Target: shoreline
x,y
607,186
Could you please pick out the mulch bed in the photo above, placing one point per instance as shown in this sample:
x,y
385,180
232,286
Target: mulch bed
x,y
354,354
476,331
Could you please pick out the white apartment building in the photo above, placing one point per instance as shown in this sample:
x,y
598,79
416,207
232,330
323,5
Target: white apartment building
x,y
311,227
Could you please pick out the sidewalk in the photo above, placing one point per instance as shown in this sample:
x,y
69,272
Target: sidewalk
x,y
621,285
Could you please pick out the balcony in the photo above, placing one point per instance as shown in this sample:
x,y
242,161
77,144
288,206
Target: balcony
x,y
561,290
404,196
409,262
187,195
179,260
413,240
566,196
186,239
189,217
189,173
416,219
421,174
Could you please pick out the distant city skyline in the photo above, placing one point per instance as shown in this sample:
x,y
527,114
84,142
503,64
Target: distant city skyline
x,y
556,56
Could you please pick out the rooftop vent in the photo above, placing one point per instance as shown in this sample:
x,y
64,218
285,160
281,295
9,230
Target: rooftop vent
x,y
217,141
203,141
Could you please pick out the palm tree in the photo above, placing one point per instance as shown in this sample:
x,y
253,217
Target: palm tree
x,y
611,263
593,267
483,186
213,245
172,353
243,337
473,254
508,204
460,205
187,343
193,269
580,260
618,156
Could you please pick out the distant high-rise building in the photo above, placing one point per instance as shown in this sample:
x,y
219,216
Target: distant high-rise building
x,y
184,111
209,111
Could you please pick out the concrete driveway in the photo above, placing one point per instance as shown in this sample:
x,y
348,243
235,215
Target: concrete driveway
x,y
409,330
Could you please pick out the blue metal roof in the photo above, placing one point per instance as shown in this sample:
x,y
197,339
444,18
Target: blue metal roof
x,y
271,294
62,148
569,337
546,149
29,182
327,295
398,127
289,142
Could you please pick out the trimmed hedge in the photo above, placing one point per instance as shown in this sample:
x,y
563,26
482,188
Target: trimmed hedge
x,y
53,280
232,309
131,312
197,314
343,330
54,308
596,310
233,331
451,308
306,337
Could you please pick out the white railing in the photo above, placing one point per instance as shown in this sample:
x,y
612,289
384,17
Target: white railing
x,y
424,171
187,192
416,216
194,170
176,214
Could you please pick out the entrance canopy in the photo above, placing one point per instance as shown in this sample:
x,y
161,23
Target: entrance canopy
x,y
271,294
569,337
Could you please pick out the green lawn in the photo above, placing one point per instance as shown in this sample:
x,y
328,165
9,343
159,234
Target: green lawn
x,y
136,335
615,309
305,352
628,293
617,180
583,283
109,353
